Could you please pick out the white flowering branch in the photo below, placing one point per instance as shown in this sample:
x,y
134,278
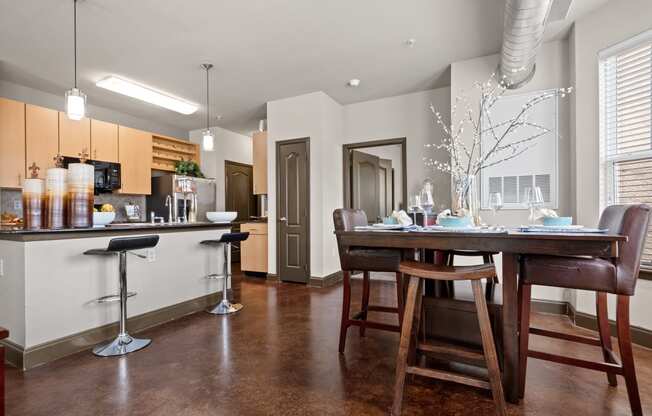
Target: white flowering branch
x,y
468,157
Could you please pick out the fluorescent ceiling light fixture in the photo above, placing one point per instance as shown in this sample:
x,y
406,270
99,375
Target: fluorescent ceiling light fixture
x,y
146,94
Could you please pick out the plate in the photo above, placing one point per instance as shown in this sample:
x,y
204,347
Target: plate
x,y
388,226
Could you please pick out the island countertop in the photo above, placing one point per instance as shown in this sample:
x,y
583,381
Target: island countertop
x,y
13,233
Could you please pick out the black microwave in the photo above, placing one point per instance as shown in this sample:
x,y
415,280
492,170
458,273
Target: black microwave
x,y
107,174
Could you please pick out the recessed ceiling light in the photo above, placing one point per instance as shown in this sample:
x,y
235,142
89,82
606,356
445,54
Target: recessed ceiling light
x,y
410,42
353,83
140,92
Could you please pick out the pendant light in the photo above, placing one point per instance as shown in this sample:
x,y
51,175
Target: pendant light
x,y
208,140
75,99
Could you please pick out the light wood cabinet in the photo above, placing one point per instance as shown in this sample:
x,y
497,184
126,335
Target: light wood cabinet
x,y
253,251
260,162
41,138
12,143
74,136
135,157
104,141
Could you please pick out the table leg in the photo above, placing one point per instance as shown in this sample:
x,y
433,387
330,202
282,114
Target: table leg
x,y
510,326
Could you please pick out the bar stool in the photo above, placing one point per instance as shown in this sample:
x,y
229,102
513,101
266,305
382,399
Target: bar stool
x,y
225,307
410,345
124,343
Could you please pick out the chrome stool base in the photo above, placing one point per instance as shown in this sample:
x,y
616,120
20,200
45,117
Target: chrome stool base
x,y
122,345
225,308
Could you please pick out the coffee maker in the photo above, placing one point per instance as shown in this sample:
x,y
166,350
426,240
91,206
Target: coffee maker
x,y
182,198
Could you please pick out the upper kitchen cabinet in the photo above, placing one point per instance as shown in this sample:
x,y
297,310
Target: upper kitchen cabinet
x,y
12,143
74,136
41,138
104,141
135,157
260,162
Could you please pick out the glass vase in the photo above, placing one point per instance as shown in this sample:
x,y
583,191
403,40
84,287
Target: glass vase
x,y
468,200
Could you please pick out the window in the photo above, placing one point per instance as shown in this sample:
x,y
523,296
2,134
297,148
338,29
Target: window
x,y
626,125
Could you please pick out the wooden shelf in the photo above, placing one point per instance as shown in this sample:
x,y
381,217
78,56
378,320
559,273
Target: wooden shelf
x,y
168,150
176,149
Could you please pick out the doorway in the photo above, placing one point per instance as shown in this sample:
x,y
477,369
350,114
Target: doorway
x,y
239,196
293,210
375,178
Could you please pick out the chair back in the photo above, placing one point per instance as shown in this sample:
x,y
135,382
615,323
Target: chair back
x,y
631,221
346,219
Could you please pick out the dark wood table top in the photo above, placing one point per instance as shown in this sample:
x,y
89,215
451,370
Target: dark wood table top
x,y
593,244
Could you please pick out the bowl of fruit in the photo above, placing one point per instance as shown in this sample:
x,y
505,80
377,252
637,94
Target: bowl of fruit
x,y
103,215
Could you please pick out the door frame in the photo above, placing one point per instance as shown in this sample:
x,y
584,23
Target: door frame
x,y
279,143
346,150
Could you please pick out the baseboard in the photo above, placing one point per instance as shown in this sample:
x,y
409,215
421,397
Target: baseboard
x,y
273,277
32,357
640,336
326,281
549,306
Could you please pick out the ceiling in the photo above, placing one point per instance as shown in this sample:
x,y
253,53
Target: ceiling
x,y
262,49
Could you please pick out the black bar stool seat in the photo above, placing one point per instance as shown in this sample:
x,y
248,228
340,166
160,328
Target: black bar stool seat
x,y
225,307
124,343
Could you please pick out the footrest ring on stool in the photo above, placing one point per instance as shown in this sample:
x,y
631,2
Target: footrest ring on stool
x,y
113,298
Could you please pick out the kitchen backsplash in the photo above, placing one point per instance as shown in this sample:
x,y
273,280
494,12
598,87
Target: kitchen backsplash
x,y
11,202
119,202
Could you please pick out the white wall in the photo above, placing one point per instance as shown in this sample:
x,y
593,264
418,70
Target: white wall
x,y
44,99
330,125
228,146
606,26
406,116
318,117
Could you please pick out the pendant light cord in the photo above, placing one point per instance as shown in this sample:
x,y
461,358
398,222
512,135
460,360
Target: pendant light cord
x,y
208,108
75,37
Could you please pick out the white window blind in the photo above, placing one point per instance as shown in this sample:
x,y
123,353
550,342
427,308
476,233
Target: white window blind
x,y
626,125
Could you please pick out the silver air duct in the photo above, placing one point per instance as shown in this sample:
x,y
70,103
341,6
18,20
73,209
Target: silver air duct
x,y
525,22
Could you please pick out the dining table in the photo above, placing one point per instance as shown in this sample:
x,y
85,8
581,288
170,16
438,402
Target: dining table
x,y
512,243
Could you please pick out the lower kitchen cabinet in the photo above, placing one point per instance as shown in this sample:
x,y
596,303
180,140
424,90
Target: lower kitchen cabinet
x,y
253,251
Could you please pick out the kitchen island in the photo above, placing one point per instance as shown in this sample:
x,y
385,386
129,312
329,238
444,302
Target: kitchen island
x,y
48,286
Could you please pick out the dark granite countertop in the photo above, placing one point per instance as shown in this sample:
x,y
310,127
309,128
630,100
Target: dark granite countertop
x,y
18,234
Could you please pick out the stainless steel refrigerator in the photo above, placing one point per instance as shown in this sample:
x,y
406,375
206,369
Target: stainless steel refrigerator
x,y
182,197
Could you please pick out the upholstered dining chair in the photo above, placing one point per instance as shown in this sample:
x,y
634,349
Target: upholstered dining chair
x,y
602,275
365,260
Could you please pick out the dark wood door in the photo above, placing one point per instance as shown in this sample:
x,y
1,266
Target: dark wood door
x,y
239,195
365,184
386,181
239,189
293,205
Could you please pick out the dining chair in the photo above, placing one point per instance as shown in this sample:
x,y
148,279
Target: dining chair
x,y
602,275
366,261
411,344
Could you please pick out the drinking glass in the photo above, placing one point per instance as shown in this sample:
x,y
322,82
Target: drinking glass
x,y
533,200
495,202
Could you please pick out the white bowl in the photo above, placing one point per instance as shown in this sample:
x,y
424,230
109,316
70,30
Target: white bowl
x,y
100,219
221,216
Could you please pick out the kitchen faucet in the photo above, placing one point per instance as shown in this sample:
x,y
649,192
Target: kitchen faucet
x,y
168,203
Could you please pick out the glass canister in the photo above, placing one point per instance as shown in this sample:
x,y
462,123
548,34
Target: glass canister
x,y
81,184
55,198
33,204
